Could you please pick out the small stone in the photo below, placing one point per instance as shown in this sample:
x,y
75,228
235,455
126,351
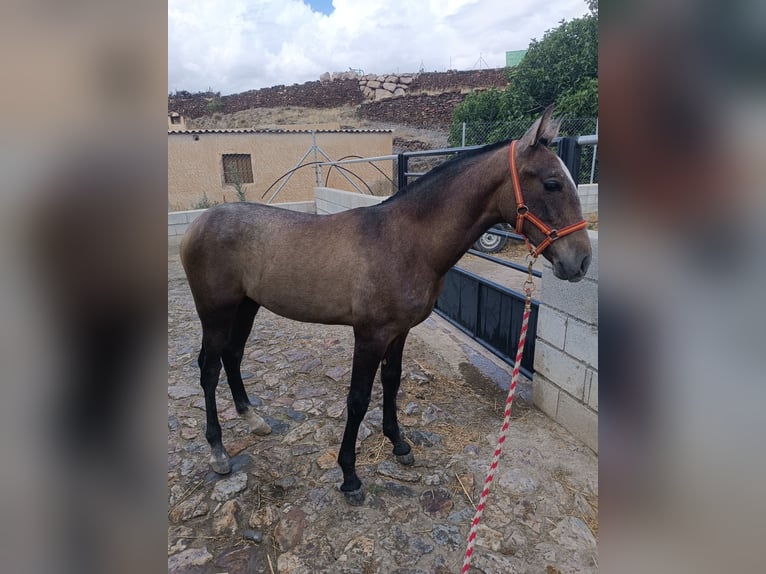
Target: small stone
x,y
306,392
264,517
364,432
393,470
436,502
332,475
192,507
309,365
225,520
397,489
285,483
430,414
489,538
288,563
241,560
423,438
189,433
432,479
447,535
182,391
412,409
254,535
188,559
516,483
583,507
238,445
336,410
467,481
310,406
303,449
229,486
573,533
301,432
337,374
461,516
328,459
296,355
361,546
374,418
289,531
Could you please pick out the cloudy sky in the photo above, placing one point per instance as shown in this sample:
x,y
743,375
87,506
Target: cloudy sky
x,y
241,45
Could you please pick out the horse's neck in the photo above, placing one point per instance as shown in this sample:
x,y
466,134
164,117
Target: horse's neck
x,y
446,223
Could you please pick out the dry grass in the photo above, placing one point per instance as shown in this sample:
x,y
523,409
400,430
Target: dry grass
x,y
265,118
591,520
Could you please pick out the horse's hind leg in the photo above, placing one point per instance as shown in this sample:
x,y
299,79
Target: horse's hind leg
x,y
390,376
215,330
232,359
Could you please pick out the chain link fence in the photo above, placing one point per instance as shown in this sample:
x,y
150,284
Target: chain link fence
x,y
480,133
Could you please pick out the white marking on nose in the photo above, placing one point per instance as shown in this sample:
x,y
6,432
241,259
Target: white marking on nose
x,y
566,171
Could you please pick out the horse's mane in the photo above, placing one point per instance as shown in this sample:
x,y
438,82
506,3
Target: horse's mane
x,y
446,170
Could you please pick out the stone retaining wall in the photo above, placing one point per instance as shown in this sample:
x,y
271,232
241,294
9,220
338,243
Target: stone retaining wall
x,y
565,383
341,89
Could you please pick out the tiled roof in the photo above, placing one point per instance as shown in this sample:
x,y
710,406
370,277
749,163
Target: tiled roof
x,y
276,131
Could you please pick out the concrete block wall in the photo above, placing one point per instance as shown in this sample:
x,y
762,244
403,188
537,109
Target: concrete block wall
x,y
588,193
330,200
178,221
565,383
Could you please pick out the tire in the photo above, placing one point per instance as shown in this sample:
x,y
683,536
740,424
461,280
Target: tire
x,y
490,243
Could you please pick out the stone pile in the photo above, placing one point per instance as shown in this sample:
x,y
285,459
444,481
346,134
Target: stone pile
x,y
381,87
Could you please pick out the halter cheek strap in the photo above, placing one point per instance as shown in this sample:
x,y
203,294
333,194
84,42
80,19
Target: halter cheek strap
x,y
523,213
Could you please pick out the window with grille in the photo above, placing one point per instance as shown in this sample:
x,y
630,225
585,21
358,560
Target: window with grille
x,y
237,168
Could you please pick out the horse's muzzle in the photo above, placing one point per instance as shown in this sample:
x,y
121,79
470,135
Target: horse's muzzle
x,y
572,271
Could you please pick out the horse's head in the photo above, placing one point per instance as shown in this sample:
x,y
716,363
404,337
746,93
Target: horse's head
x,y
546,207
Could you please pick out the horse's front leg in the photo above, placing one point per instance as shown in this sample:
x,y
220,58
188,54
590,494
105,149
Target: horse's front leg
x,y
391,376
367,355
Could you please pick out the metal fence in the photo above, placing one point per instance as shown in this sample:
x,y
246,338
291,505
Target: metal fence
x,y
480,133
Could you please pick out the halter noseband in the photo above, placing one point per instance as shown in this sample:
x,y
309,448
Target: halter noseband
x,y
522,213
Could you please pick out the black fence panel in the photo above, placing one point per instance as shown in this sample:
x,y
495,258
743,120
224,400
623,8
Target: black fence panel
x,y
489,313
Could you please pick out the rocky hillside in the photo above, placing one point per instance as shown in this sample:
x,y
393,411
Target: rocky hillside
x,y
424,100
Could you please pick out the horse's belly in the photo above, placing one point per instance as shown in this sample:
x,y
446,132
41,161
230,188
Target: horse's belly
x,y
313,306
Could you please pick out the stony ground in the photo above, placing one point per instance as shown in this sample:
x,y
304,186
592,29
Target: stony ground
x,y
280,509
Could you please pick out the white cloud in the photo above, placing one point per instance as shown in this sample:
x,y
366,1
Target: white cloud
x,y
249,44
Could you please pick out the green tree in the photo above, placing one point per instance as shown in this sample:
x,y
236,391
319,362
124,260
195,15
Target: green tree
x,y
561,68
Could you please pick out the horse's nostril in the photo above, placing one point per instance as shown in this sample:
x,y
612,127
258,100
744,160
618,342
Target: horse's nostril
x,y
585,264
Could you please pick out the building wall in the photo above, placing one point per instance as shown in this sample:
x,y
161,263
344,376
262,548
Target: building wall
x,y
195,166
588,194
565,384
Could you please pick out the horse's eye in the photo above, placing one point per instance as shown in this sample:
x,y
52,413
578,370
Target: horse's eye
x,y
552,185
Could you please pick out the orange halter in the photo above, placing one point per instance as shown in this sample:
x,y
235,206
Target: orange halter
x,y
522,213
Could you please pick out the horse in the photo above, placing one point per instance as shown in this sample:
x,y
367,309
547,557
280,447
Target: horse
x,y
378,269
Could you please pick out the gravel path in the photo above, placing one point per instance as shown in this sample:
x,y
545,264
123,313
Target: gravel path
x,y
280,510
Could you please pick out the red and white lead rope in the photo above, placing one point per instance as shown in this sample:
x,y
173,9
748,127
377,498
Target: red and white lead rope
x,y
503,430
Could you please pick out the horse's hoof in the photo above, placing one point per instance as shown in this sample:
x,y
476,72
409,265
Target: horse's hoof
x,y
354,497
406,459
220,464
257,424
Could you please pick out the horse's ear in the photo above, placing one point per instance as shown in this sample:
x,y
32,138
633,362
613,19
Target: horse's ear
x,y
543,130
